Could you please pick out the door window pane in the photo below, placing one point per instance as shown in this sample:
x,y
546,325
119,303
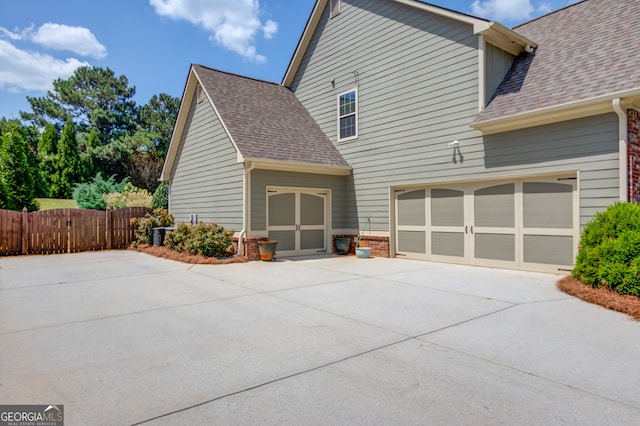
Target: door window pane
x,y
286,239
447,243
411,208
412,241
282,210
495,246
447,207
548,205
494,206
311,209
548,249
312,239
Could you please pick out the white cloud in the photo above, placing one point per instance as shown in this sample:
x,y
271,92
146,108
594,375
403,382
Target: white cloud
x,y
503,10
232,23
74,39
270,29
24,70
78,40
516,11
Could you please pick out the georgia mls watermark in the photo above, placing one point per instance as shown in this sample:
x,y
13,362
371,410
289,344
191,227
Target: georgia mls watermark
x,y
31,415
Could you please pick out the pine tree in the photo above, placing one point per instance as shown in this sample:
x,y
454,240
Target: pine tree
x,y
15,171
68,167
47,150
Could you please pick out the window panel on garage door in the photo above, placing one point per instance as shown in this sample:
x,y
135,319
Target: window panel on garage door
x,y
548,216
548,205
447,222
494,220
411,213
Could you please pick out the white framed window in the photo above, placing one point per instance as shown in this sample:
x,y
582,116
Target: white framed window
x,y
348,115
335,8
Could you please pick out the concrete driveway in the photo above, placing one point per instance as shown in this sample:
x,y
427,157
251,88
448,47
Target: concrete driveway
x,y
121,337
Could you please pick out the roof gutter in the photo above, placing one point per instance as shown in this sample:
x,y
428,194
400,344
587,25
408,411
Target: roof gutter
x,y
292,166
568,111
622,148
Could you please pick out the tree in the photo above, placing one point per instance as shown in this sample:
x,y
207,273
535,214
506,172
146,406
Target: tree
x,y
149,145
93,98
114,135
143,165
47,151
157,118
68,166
15,172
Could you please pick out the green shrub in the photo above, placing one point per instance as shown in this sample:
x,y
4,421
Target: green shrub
x,y
144,225
210,240
609,252
131,196
161,197
90,195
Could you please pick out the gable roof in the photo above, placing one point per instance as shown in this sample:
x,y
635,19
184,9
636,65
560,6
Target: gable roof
x,y
265,121
493,32
587,55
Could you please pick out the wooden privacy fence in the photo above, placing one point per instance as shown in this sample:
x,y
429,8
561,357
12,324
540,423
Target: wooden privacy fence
x,y
66,230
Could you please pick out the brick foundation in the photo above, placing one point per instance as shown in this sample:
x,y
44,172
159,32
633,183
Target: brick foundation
x,y
250,246
379,245
633,150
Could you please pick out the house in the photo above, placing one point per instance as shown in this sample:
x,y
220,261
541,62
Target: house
x,y
452,137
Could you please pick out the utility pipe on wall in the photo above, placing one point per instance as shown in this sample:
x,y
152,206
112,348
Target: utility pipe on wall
x,y
245,204
623,138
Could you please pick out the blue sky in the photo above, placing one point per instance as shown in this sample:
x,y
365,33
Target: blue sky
x,y
153,42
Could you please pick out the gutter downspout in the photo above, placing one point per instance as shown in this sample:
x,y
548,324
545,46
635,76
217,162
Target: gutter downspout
x,y
622,148
245,203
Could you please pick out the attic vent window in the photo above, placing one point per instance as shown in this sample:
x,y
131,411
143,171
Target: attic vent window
x,y
200,94
335,8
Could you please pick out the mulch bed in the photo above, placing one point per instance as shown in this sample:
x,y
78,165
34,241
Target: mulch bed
x,y
164,252
603,296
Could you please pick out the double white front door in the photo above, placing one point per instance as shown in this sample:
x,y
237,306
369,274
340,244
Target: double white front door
x,y
297,219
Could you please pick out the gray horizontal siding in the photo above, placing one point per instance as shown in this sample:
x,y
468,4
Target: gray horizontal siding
x,y
417,78
498,62
343,208
588,145
207,180
417,86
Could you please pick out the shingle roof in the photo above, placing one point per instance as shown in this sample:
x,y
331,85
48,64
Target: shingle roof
x,y
267,121
585,50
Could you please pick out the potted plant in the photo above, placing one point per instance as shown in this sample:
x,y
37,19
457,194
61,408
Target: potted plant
x,y
267,249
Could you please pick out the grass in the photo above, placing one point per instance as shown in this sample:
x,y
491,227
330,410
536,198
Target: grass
x,y
56,203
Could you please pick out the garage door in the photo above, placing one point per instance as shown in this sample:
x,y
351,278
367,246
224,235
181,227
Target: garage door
x,y
297,219
525,224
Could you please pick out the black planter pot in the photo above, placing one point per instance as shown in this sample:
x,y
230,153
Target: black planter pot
x,y
343,244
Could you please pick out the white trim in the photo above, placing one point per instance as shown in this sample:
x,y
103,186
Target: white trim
x,y
496,34
326,194
356,113
553,114
332,8
190,91
482,73
200,93
518,230
291,166
623,141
